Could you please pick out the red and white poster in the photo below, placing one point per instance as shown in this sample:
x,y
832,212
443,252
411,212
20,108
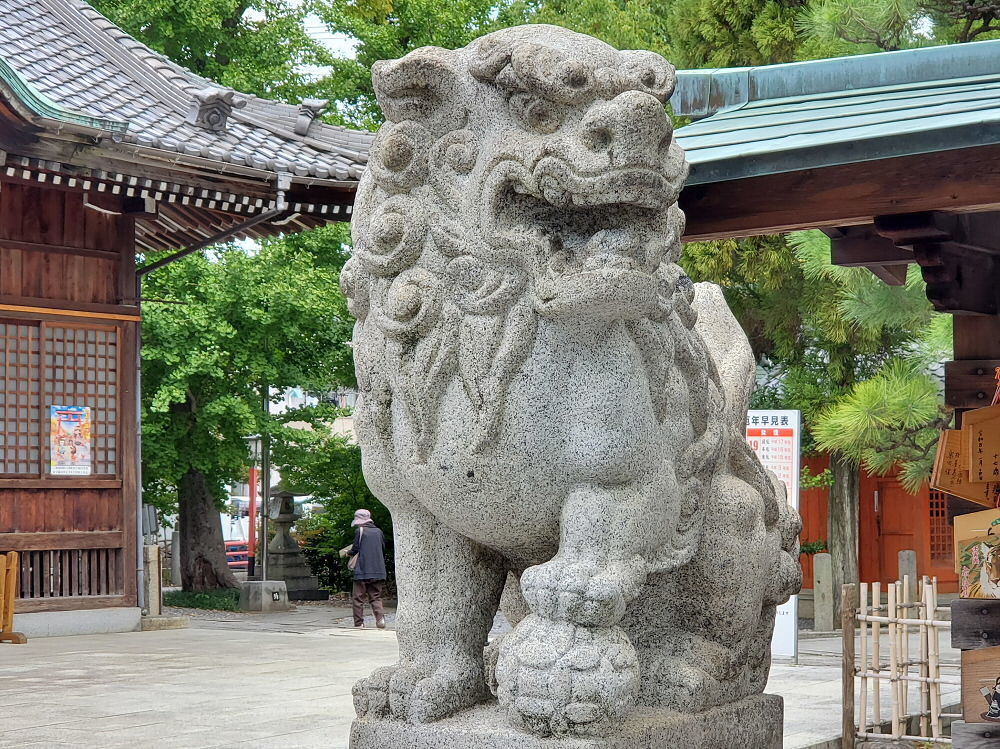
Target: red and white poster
x,y
775,437
69,441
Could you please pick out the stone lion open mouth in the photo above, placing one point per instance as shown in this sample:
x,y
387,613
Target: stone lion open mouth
x,y
596,240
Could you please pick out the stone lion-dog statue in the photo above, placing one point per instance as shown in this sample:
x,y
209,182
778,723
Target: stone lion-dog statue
x,y
552,411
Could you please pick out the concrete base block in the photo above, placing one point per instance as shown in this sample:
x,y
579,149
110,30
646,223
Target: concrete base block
x,y
264,596
157,623
754,723
85,622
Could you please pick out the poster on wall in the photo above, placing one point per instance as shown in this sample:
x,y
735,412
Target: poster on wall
x,y
69,441
774,436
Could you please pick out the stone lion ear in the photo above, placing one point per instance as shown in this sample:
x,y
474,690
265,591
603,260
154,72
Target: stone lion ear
x,y
647,71
425,86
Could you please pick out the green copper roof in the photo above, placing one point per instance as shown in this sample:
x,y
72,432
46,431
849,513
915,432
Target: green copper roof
x,y
807,115
40,105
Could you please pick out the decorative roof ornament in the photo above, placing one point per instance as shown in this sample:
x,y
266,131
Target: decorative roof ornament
x,y
212,106
309,110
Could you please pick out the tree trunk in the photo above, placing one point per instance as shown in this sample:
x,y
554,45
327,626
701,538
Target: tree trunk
x,y
844,514
203,551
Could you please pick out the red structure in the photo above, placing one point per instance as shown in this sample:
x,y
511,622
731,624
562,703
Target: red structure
x,y
891,520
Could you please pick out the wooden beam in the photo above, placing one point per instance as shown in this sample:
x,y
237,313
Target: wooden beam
x,y
970,383
69,312
58,248
61,540
961,180
862,245
977,337
71,603
68,482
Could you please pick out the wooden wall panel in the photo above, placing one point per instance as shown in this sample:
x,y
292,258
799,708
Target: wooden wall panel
x,y
60,510
43,227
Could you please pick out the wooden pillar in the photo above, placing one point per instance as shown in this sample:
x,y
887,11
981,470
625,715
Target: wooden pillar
x,y
969,379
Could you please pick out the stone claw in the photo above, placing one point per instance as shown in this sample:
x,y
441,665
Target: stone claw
x,y
420,694
578,592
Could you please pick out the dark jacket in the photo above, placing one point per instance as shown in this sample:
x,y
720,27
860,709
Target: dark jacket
x,y
371,547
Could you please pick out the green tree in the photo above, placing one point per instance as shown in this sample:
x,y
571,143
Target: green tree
x,y
822,333
255,46
388,29
327,465
230,325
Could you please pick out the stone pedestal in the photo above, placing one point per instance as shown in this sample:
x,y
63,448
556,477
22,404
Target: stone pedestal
x,y
264,596
285,560
753,723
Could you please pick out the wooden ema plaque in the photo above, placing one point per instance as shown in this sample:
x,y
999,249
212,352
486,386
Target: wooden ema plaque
x,y
981,686
951,473
981,430
975,629
973,525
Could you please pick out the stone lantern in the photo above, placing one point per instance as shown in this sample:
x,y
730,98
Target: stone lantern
x,y
285,559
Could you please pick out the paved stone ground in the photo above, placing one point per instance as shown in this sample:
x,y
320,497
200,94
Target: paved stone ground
x,y
274,680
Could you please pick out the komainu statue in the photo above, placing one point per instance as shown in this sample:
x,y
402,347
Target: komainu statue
x,y
550,408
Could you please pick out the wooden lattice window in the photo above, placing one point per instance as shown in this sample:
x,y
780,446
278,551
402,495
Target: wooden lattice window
x,y
941,535
45,364
20,413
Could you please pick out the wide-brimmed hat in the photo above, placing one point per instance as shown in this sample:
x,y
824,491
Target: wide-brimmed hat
x,y
361,517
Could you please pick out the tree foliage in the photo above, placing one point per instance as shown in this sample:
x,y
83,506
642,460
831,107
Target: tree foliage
x,y
255,46
319,462
223,327
888,421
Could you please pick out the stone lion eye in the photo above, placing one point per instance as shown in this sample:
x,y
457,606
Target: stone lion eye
x,y
648,78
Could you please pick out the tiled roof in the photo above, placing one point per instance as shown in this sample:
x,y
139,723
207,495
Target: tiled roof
x,y
807,115
76,58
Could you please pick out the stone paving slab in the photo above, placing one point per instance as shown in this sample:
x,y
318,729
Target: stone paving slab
x,y
254,682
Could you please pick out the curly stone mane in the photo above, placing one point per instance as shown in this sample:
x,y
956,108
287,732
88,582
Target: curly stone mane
x,y
435,296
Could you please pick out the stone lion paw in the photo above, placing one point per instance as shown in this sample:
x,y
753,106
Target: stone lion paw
x,y
371,694
420,694
558,678
580,592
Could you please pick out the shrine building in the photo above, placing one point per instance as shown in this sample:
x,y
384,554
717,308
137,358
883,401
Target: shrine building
x,y
108,152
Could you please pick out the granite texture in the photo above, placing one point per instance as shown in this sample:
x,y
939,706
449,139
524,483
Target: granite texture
x,y
752,723
551,410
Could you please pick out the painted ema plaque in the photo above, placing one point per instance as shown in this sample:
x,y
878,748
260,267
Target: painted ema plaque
x,y
774,436
69,441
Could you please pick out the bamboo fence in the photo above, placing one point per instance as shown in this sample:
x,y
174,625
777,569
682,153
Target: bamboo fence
x,y
890,675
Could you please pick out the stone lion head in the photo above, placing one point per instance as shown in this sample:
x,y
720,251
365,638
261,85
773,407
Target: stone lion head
x,y
531,175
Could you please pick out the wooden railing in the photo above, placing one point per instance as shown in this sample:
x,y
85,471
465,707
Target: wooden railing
x,y
8,587
889,667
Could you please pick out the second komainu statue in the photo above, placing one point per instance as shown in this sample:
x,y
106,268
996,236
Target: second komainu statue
x,y
551,410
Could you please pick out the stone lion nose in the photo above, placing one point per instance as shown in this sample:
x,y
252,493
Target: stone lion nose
x,y
631,129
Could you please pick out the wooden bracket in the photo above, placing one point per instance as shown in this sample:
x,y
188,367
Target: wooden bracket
x,y
970,383
863,246
957,255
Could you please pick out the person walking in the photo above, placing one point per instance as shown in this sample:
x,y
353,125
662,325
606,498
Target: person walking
x,y
368,557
